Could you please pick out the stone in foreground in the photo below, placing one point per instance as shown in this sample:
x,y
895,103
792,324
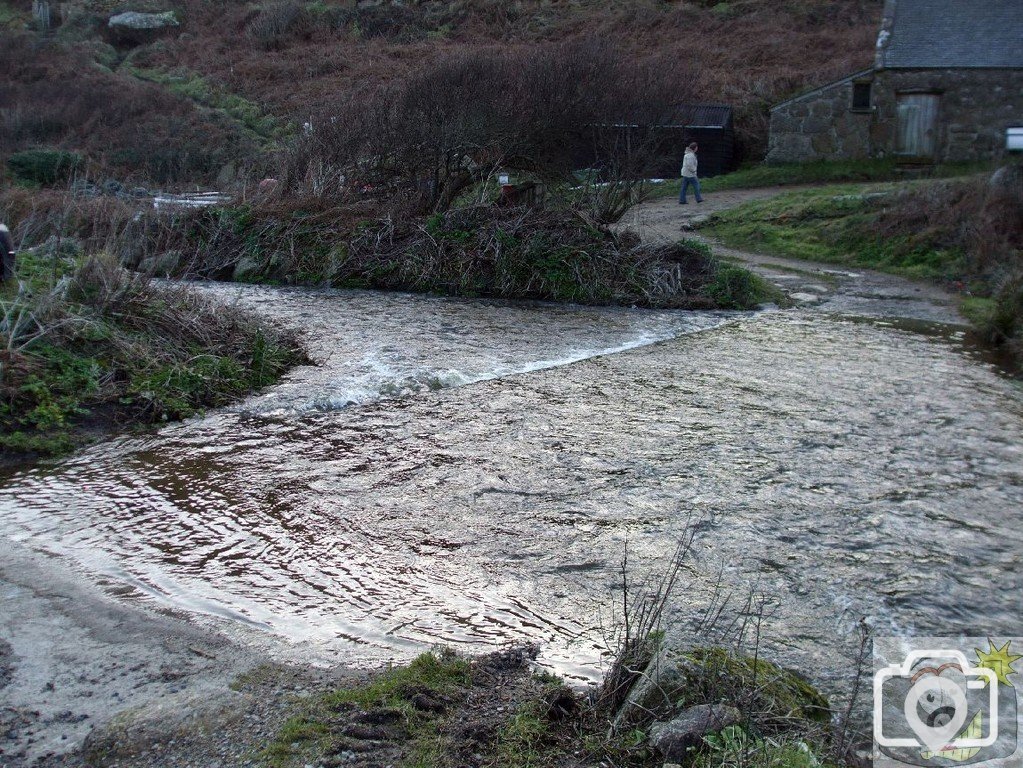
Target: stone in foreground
x,y
673,739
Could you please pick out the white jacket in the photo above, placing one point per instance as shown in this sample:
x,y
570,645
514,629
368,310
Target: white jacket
x,y
689,165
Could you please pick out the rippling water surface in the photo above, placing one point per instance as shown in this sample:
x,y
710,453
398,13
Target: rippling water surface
x,y
368,507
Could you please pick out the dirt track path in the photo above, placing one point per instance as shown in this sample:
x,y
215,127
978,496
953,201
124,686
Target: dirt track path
x,y
832,288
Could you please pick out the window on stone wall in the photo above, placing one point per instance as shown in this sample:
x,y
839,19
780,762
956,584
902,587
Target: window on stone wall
x,y
861,96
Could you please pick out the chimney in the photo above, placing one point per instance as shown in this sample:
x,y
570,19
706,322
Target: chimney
x,y
885,35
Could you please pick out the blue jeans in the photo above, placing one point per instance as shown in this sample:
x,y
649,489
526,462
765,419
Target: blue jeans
x,y
686,181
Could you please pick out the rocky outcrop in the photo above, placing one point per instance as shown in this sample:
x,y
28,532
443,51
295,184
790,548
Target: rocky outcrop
x,y
1008,179
136,20
162,265
136,28
246,270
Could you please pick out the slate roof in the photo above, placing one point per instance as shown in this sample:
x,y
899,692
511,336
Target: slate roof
x,y
956,34
704,115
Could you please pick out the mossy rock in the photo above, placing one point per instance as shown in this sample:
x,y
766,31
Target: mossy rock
x,y
773,691
774,697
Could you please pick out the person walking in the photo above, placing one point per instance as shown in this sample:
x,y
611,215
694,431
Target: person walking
x,y
689,175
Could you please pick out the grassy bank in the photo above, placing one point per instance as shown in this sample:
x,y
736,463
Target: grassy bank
x,y
492,712
89,349
966,234
818,172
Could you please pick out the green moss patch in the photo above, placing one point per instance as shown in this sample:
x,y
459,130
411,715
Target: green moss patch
x,y
775,696
193,86
819,172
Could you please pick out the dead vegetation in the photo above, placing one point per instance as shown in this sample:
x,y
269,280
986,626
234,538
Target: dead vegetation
x,y
296,60
54,94
980,221
747,52
429,139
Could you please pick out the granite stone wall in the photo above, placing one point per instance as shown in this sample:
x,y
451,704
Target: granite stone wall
x,y
819,126
975,108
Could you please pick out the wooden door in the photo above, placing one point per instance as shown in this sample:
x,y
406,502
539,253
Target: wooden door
x,y
918,118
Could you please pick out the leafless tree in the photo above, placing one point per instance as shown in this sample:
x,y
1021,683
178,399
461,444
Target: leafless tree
x,y
541,112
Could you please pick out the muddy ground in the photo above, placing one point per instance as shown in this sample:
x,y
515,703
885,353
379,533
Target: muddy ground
x,y
80,666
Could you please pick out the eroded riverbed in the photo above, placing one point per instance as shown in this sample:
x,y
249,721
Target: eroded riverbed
x,y
370,507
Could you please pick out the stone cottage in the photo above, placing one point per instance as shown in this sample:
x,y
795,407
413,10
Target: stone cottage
x,y
946,86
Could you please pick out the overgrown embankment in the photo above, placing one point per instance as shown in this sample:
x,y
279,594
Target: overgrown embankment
x,y
708,708
194,101
966,234
89,348
480,251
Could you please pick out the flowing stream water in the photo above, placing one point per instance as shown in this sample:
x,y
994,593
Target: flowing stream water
x,y
470,473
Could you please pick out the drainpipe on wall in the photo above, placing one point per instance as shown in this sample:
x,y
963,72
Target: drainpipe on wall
x,y
1009,177
885,35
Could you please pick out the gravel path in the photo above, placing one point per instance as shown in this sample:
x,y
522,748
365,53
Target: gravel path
x,y
832,288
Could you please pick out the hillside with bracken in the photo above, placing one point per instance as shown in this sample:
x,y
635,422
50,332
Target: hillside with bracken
x,y
220,91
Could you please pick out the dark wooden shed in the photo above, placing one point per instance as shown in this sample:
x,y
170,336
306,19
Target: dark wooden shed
x,y
660,144
710,126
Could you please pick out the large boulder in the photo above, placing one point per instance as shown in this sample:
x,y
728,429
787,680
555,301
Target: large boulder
x,y
137,20
1008,179
247,270
136,28
66,249
675,738
652,696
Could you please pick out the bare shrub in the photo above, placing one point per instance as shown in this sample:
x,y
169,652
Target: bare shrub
x,y
437,133
982,220
275,23
635,640
649,680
